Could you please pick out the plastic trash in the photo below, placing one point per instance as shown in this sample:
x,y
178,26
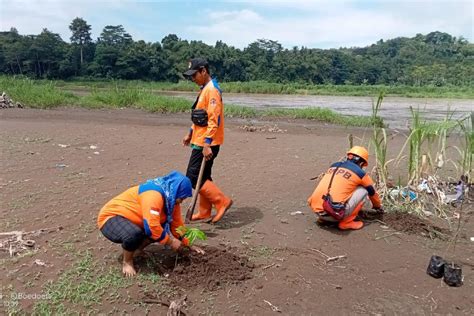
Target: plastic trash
x,y
453,274
412,195
296,213
402,192
423,186
436,267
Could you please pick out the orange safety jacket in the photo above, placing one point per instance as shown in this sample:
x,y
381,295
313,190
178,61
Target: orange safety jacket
x,y
210,99
145,210
348,177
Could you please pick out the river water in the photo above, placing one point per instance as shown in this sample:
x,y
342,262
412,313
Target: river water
x,y
395,110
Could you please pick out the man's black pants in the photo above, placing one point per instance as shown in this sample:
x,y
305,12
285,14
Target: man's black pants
x,y
195,164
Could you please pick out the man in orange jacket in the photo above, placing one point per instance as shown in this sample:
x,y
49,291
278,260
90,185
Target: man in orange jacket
x,y
146,213
349,185
205,136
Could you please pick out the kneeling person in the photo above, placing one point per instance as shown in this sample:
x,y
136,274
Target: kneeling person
x,y
348,184
149,212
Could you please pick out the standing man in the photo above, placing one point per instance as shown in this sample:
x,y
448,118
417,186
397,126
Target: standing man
x,y
205,137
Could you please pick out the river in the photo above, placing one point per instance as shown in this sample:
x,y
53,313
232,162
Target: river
x,y
395,110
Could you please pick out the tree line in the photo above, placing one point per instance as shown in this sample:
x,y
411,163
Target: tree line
x,y
434,59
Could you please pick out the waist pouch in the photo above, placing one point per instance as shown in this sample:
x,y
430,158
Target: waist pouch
x,y
199,117
336,210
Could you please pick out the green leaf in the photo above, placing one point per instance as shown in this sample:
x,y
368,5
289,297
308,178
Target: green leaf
x,y
191,234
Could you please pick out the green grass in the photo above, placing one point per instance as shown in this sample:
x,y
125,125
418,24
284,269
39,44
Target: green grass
x,y
36,94
136,98
461,92
85,285
47,94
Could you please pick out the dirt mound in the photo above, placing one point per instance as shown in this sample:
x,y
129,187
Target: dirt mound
x,y
216,267
409,223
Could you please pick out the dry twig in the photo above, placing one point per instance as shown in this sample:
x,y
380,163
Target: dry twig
x,y
273,307
335,258
329,258
14,241
269,266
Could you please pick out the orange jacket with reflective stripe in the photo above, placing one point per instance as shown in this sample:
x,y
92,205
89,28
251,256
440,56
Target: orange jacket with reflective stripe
x,y
210,99
348,177
142,209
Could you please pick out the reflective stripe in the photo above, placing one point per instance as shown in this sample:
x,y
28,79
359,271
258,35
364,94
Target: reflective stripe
x,y
146,227
163,235
349,165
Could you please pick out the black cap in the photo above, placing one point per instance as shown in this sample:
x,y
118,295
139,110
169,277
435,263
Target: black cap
x,y
195,64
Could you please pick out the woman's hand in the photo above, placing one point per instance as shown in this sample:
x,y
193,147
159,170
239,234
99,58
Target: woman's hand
x,y
175,244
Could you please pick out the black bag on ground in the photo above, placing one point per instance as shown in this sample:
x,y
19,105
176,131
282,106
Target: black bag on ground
x,y
436,267
453,274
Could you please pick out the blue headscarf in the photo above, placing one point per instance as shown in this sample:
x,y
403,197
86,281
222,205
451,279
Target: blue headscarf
x,y
172,186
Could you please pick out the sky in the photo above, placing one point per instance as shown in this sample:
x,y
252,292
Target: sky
x,y
313,24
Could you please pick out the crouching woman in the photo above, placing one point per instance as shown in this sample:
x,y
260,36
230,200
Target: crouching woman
x,y
147,213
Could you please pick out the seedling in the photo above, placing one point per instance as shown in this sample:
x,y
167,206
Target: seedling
x,y
191,234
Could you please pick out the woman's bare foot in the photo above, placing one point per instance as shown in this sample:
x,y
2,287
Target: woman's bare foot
x,y
127,266
128,269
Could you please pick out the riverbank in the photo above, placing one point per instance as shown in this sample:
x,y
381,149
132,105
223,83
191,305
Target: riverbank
x,y
60,166
46,95
262,87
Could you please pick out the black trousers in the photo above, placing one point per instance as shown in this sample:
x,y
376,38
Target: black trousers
x,y
195,164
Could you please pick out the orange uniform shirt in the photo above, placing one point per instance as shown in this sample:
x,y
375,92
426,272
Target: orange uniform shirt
x,y
210,99
145,209
346,180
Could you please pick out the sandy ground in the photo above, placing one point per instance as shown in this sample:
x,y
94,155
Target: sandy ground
x,y
51,177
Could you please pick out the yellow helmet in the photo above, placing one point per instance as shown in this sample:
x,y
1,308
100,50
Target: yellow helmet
x,y
361,152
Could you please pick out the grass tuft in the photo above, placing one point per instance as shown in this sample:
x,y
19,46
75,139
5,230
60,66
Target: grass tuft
x,y
84,285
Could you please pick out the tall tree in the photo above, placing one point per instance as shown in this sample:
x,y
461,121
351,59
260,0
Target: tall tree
x,y
47,51
81,34
115,35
